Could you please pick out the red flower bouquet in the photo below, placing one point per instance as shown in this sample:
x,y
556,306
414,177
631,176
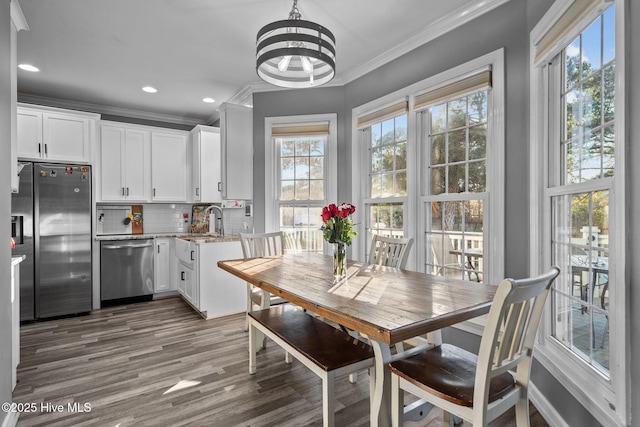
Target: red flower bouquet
x,y
337,228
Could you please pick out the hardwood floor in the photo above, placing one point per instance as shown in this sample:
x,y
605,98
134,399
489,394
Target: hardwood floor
x,y
158,363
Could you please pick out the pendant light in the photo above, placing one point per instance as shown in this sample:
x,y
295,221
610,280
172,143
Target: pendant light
x,y
295,53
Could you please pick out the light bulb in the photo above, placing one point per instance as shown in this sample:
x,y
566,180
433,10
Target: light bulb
x,y
284,63
306,65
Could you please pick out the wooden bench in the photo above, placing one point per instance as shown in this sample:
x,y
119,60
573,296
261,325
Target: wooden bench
x,y
329,352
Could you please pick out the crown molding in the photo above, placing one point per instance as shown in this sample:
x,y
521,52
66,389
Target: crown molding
x,y
443,25
103,109
438,28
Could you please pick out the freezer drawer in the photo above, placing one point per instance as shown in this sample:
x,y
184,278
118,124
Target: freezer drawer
x,y
126,269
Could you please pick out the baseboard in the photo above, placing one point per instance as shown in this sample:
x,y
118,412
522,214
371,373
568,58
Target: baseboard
x,y
546,409
10,419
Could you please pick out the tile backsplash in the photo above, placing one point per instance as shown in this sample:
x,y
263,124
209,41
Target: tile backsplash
x,y
166,218
176,218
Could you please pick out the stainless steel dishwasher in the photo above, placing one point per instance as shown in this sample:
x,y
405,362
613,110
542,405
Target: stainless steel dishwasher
x,y
126,269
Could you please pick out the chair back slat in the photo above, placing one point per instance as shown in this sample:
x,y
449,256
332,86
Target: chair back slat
x,y
390,251
262,244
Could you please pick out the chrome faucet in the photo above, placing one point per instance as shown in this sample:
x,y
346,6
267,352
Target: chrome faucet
x,y
217,229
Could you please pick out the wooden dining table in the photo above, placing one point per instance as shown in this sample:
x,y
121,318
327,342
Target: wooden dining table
x,y
384,304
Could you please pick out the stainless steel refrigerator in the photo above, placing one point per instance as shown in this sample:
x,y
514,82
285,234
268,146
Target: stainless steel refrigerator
x,y
51,223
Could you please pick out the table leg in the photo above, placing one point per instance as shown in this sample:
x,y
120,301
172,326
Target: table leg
x,y
381,397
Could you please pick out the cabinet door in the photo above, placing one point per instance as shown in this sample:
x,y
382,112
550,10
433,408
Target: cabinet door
x,y
111,172
65,137
29,134
135,181
196,156
187,281
206,165
181,279
162,266
168,167
236,129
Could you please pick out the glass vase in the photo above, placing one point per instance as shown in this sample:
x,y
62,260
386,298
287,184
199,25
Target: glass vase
x,y
339,260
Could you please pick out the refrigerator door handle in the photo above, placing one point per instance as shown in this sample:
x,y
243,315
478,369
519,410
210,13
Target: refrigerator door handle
x,y
145,245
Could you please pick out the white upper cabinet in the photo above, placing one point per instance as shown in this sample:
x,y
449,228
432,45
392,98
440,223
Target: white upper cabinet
x,y
124,166
168,167
236,133
206,166
54,135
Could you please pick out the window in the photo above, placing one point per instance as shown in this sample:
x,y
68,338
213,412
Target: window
x,y
456,147
429,162
300,160
577,174
386,142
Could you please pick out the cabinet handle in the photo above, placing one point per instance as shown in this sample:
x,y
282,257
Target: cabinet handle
x,y
123,191
39,148
182,275
127,191
45,149
220,186
192,258
154,192
197,191
158,248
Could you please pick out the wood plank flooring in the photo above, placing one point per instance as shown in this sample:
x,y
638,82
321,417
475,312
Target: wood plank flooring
x,y
158,363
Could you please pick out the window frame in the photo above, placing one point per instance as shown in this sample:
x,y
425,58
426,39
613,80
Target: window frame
x,y
414,225
609,401
368,201
272,171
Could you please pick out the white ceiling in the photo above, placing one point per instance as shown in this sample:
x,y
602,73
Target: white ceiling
x,y
98,54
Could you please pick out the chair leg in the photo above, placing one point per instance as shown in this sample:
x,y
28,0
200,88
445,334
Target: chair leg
x,y
252,348
448,420
328,400
397,402
522,412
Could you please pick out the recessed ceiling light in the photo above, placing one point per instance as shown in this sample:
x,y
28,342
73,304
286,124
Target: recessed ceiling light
x,y
149,89
208,100
28,67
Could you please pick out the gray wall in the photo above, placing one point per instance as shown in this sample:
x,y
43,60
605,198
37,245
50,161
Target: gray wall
x,y
506,27
297,103
5,205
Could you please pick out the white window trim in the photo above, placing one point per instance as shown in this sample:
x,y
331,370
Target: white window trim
x,y
271,220
414,205
608,401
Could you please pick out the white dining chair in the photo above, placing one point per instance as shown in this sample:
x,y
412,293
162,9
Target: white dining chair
x,y
259,245
390,251
480,388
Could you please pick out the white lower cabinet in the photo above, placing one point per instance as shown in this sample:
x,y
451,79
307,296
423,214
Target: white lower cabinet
x,y
209,289
162,256
186,285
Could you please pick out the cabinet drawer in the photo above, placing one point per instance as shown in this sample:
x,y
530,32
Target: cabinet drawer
x,y
185,252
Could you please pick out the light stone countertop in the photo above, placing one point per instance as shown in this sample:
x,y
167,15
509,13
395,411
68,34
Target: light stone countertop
x,y
195,238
